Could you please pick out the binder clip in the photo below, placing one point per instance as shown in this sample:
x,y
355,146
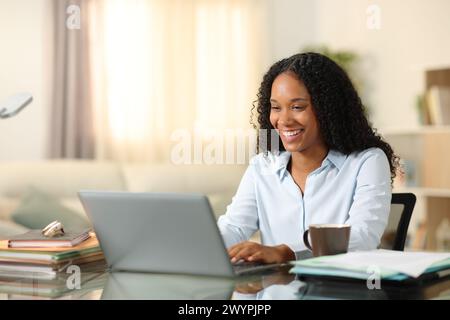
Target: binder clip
x,y
54,229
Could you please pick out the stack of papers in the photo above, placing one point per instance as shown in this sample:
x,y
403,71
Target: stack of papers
x,y
46,263
390,265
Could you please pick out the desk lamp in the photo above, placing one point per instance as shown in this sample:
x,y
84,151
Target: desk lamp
x,y
14,104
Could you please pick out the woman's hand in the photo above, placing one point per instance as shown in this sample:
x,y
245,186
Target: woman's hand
x,y
252,251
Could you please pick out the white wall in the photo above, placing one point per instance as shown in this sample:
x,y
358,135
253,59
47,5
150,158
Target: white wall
x,y
292,26
26,65
414,36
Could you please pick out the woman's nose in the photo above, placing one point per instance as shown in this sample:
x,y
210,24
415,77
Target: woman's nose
x,y
285,118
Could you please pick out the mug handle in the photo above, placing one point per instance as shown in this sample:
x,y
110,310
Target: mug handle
x,y
305,239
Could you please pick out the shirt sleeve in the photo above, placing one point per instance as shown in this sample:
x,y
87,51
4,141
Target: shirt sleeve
x,y
369,212
240,221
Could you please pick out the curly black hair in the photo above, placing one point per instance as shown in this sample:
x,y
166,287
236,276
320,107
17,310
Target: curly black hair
x,y
338,107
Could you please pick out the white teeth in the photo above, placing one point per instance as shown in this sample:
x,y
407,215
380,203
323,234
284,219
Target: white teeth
x,y
291,133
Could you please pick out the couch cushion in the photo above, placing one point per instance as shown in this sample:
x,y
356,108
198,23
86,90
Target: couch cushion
x,y
61,178
220,201
74,204
9,228
37,209
182,178
7,206
218,182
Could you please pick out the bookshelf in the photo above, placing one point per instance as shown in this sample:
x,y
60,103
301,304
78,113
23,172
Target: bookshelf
x,y
437,77
425,152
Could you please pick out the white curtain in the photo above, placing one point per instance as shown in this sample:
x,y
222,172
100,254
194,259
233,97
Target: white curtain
x,y
72,128
165,65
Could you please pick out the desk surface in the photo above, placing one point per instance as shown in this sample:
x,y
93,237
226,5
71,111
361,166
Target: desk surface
x,y
277,284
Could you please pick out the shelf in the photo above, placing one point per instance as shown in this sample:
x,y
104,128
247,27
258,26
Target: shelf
x,y
414,130
427,147
424,192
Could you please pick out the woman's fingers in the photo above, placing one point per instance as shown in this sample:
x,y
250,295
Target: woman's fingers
x,y
243,253
238,247
252,251
234,249
242,250
257,256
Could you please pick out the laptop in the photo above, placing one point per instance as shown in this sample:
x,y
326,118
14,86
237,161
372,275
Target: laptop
x,y
161,233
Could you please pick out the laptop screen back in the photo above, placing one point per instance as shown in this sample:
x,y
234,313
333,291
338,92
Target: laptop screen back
x,y
157,232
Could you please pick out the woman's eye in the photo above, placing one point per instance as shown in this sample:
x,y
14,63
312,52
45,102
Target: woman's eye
x,y
275,108
298,107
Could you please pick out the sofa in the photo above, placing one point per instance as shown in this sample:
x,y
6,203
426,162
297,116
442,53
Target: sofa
x,y
60,180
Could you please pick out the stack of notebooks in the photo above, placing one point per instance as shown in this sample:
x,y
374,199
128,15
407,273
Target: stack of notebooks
x,y
38,263
391,266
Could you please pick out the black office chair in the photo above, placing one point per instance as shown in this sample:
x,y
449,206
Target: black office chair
x,y
396,240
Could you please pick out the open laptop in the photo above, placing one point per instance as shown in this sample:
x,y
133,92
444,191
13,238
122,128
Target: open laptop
x,y
160,232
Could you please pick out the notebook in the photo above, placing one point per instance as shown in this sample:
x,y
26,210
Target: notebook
x,y
35,239
395,266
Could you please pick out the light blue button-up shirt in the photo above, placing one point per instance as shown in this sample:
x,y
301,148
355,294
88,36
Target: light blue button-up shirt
x,y
354,189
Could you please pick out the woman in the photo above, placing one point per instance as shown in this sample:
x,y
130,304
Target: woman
x,y
332,168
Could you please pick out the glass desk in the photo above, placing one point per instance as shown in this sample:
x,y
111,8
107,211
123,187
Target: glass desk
x,y
275,284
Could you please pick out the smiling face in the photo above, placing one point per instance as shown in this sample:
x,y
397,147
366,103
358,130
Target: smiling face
x,y
292,114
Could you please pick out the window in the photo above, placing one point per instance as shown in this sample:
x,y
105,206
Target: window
x,y
165,65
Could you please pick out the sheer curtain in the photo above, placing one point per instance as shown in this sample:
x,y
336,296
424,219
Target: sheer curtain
x,y
164,65
71,126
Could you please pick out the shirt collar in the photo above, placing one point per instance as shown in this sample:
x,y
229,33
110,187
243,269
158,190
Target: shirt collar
x,y
334,157
281,163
